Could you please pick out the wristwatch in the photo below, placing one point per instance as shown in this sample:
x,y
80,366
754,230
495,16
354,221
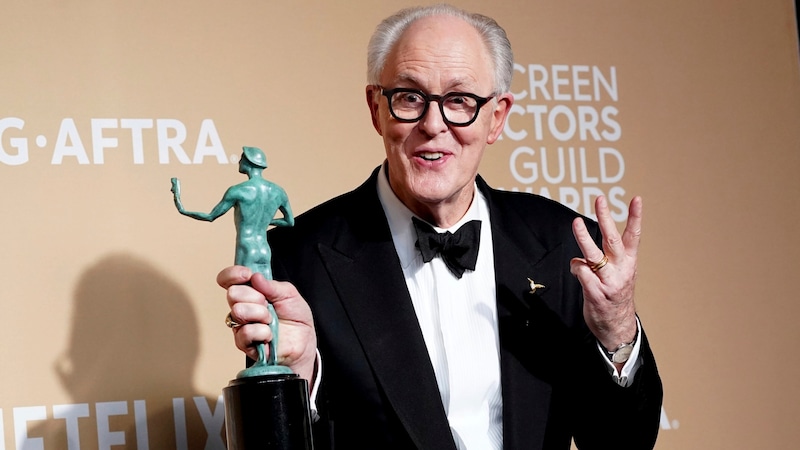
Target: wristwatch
x,y
621,354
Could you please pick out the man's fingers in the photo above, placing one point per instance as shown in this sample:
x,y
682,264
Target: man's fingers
x,y
233,275
246,313
255,318
246,337
633,228
578,267
590,251
612,242
242,293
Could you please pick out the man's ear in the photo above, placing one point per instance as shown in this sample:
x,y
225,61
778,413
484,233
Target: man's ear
x,y
499,116
373,101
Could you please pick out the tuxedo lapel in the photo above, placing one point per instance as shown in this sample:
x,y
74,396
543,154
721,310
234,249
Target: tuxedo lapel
x,y
366,274
524,321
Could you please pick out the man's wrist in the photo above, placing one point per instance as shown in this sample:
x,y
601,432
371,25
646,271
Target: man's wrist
x,y
623,350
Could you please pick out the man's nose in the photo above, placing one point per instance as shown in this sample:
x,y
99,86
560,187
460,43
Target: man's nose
x,y
432,122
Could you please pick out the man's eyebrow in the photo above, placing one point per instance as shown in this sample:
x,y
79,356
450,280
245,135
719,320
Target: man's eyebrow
x,y
408,78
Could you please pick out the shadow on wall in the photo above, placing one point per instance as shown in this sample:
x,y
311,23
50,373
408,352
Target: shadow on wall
x,y
129,365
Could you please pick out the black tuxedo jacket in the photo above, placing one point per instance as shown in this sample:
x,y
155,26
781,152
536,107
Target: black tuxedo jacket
x,y
378,386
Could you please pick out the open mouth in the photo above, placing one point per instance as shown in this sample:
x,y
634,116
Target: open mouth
x,y
431,156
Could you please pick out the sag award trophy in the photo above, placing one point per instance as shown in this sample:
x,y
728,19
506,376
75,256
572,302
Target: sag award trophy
x,y
266,406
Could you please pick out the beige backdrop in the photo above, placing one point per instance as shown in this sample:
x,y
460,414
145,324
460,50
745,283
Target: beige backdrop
x,y
112,328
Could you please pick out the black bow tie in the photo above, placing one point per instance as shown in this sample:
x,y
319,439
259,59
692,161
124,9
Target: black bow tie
x,y
459,250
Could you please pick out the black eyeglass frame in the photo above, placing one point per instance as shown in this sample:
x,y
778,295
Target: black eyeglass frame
x,y
479,102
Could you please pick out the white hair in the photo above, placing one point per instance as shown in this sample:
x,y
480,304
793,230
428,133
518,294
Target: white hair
x,y
389,31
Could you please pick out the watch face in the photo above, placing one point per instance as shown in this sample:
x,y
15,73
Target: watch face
x,y
622,354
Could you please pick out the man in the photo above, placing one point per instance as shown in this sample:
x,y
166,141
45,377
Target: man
x,y
508,351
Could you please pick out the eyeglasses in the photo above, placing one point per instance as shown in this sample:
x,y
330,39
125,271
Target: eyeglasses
x,y
458,109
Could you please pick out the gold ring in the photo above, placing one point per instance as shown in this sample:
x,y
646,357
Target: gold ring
x,y
230,323
599,265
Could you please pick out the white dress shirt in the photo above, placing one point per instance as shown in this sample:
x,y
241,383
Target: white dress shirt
x,y
458,318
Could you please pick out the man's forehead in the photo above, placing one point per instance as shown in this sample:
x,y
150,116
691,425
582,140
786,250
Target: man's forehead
x,y
445,45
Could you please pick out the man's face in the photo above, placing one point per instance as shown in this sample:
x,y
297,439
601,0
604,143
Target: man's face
x,y
432,165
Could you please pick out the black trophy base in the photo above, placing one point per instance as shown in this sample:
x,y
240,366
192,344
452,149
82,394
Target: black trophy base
x,y
268,412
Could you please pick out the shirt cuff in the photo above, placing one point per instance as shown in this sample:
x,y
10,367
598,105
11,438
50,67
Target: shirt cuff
x,y
624,377
312,401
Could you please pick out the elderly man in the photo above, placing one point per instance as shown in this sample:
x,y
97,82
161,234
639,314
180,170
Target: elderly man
x,y
523,340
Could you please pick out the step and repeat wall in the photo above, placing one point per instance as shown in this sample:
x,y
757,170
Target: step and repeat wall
x,y
112,324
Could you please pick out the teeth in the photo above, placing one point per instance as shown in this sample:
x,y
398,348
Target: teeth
x,y
431,156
